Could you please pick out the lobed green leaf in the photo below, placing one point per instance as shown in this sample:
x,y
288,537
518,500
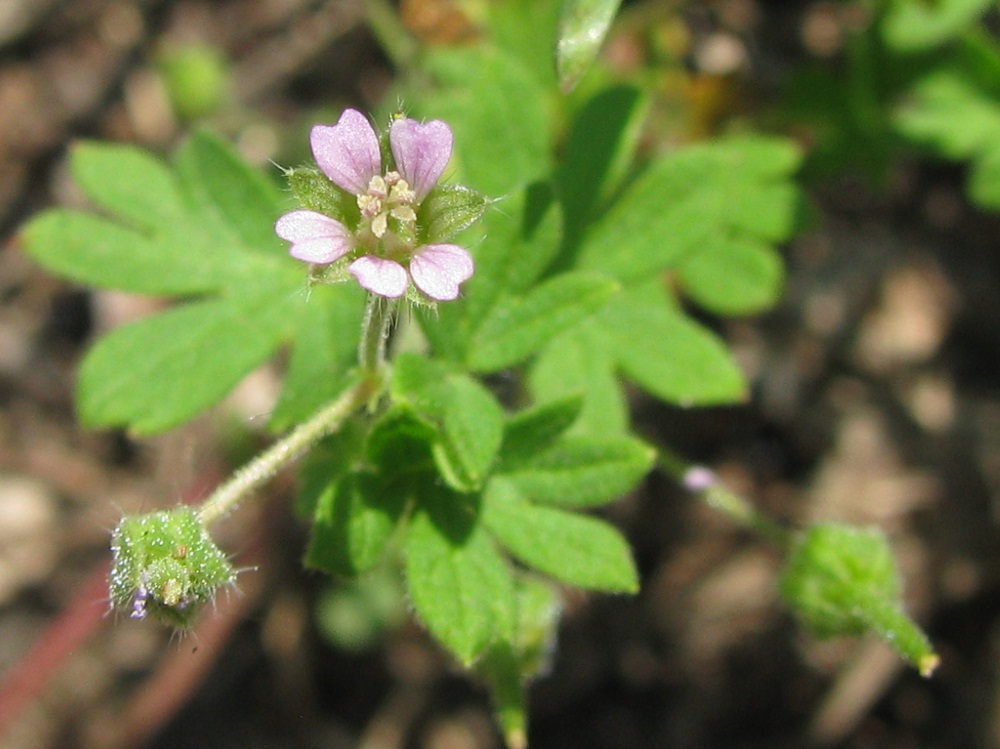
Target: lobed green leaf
x,y
582,471
235,202
129,183
462,588
518,327
667,353
98,252
574,548
738,277
694,199
581,361
469,419
160,371
535,429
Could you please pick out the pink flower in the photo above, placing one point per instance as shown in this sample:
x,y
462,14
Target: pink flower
x,y
383,250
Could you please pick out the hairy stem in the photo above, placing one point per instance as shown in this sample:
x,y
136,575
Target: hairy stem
x,y
379,313
259,470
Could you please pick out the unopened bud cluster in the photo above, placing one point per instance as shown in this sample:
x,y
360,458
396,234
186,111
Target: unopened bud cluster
x,y
166,565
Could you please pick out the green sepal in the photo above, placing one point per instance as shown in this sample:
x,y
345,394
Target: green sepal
x,y
447,210
842,581
166,565
315,192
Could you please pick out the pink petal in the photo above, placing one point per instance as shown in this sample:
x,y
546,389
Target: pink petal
x,y
315,238
348,152
438,269
421,151
383,277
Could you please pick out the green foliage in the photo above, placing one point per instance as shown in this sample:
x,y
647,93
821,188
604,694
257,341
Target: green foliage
x,y
843,581
354,519
496,150
960,121
914,25
460,585
201,227
573,548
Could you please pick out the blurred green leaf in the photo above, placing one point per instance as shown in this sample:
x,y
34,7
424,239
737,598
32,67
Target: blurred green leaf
x,y
918,25
159,372
356,614
507,666
203,227
581,361
700,198
599,150
668,353
947,111
734,278
196,78
526,30
582,28
498,149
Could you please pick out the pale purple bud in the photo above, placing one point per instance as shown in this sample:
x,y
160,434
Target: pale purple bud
x,y
699,479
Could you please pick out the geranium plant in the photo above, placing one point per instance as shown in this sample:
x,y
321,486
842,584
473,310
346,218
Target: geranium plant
x,y
424,257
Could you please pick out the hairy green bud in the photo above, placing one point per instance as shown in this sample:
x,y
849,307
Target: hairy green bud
x,y
166,565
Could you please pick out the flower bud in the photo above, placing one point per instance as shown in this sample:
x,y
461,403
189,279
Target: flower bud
x,y
166,565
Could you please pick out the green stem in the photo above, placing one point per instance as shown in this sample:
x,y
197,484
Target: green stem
x,y
259,470
705,484
378,318
379,314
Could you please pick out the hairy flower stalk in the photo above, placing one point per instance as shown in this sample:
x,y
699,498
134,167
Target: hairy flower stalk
x,y
382,215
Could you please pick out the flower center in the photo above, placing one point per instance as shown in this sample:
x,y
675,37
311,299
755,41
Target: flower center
x,y
389,196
